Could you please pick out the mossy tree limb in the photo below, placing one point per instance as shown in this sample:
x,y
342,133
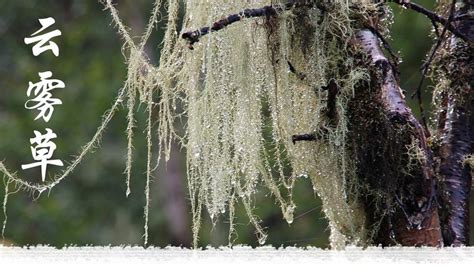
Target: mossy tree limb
x,y
400,200
395,168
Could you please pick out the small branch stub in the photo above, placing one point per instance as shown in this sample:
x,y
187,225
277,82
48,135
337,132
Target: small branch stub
x,y
303,137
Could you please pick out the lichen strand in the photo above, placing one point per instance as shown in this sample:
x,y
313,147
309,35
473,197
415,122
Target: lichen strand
x,y
244,104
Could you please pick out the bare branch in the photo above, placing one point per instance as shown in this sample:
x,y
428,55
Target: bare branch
x,y
303,137
432,16
310,137
426,67
194,36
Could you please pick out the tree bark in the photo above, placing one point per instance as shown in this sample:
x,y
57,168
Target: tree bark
x,y
456,130
416,192
399,199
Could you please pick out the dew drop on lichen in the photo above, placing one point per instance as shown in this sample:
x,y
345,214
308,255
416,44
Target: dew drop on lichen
x,y
243,105
262,239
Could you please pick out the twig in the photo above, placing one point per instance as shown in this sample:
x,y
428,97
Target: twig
x,y
435,27
462,17
331,110
427,64
193,36
300,75
319,135
432,16
304,137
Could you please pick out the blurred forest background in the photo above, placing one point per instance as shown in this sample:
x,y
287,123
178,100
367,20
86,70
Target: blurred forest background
x,y
90,207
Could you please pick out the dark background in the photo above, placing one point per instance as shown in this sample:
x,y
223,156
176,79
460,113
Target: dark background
x,y
90,206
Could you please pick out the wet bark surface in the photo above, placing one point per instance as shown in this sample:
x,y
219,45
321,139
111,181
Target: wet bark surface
x,y
456,131
399,199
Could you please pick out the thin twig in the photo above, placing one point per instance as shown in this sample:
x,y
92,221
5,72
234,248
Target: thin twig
x,y
320,135
307,212
331,109
299,74
303,137
427,64
432,16
435,27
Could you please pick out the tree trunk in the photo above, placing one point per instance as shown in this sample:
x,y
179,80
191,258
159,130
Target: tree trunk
x,y
400,194
416,196
456,129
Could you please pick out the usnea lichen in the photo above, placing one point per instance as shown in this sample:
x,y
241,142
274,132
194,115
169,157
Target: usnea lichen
x,y
469,160
243,105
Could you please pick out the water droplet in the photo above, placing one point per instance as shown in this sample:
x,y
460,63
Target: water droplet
x,y
303,175
289,214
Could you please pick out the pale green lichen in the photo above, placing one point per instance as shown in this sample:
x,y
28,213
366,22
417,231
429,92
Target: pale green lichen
x,y
468,161
243,105
416,155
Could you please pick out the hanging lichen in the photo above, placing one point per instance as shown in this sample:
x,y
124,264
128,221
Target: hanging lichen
x,y
143,83
246,91
254,85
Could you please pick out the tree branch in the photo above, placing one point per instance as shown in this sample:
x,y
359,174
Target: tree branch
x,y
426,67
381,128
310,137
432,16
194,36
385,44
303,137
331,109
